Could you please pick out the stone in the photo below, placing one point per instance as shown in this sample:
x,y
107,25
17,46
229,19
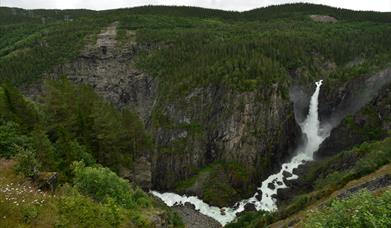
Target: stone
x,y
47,181
258,196
271,186
249,207
286,174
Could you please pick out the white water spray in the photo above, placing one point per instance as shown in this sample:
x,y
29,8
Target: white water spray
x,y
310,128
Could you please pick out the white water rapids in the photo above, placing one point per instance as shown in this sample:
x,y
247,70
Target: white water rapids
x,y
310,128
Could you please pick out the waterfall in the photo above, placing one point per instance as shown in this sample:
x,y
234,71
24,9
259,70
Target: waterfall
x,y
311,125
314,137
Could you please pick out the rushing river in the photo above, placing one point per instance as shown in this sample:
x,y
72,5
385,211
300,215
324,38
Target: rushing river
x,y
310,128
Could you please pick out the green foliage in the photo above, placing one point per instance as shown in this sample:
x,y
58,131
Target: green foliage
x,y
76,210
45,150
11,135
371,156
111,136
361,210
252,220
72,124
199,54
31,49
14,107
27,163
102,185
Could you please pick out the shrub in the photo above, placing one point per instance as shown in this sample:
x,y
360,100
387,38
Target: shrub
x,y
78,211
102,185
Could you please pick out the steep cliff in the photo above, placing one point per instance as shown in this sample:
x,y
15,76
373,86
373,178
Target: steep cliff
x,y
252,130
359,110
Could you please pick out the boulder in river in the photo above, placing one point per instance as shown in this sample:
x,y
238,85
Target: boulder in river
x,y
286,174
189,205
271,186
258,196
249,207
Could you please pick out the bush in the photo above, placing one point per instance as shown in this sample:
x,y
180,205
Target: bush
x,y
361,210
103,185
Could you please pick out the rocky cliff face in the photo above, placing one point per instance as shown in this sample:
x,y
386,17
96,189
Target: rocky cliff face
x,y
370,122
252,130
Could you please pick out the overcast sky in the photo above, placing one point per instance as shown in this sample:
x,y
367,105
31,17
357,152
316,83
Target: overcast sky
x,y
376,5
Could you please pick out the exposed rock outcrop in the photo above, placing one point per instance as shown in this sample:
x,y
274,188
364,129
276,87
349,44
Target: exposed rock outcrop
x,y
255,130
323,18
380,182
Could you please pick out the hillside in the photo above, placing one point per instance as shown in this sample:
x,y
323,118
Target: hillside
x,y
192,101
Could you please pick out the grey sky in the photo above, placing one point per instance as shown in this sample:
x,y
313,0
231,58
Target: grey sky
x,y
376,5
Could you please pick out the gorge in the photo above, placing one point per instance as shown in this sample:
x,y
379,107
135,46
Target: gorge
x,y
167,117
263,199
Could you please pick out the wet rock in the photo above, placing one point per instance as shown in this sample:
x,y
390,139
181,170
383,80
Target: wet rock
x,y
259,196
222,211
249,207
271,186
286,174
189,205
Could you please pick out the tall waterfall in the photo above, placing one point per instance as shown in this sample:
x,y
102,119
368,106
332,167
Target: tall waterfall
x,y
314,137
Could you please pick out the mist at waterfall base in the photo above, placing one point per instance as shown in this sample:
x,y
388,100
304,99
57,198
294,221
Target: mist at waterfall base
x,y
314,137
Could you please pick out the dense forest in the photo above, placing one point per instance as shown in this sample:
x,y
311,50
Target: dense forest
x,y
87,141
